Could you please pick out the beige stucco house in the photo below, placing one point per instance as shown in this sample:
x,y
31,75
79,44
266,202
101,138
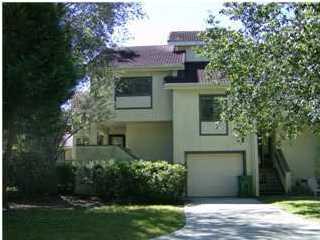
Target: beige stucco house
x,y
170,110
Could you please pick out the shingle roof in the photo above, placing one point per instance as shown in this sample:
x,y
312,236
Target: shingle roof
x,y
184,36
147,56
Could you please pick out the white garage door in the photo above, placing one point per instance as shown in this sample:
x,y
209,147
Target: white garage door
x,y
214,174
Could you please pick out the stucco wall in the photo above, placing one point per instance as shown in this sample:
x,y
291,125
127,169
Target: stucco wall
x,y
151,141
68,154
161,101
187,137
191,56
84,153
303,155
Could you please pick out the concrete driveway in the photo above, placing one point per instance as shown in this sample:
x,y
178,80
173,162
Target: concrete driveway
x,y
238,219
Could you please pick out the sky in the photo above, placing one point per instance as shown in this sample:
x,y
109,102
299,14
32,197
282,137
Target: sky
x,y
165,16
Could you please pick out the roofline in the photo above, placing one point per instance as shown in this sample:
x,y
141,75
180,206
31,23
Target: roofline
x,y
162,67
185,43
194,85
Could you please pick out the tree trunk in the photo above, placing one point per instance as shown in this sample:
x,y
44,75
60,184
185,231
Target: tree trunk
x,y
9,138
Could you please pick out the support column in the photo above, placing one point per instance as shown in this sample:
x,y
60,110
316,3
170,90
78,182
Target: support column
x,y
93,134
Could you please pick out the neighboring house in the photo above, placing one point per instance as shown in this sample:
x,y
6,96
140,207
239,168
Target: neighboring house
x,y
169,109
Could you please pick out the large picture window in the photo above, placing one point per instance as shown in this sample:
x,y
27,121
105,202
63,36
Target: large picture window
x,y
134,93
134,86
210,109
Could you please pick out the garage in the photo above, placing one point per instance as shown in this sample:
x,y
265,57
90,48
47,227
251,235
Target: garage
x,y
214,174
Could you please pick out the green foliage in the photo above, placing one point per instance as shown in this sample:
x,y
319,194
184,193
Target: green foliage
x,y
93,26
156,181
66,174
272,62
33,174
96,28
305,206
40,73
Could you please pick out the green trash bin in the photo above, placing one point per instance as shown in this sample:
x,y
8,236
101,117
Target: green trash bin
x,y
245,186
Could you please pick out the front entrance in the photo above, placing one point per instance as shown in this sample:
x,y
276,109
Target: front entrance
x,y
117,140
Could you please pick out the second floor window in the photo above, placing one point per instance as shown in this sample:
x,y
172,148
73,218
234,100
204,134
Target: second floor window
x,y
134,86
210,107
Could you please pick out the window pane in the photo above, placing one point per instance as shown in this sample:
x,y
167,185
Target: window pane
x,y
211,108
135,86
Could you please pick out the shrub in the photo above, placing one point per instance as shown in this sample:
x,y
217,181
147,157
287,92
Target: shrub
x,y
32,174
66,173
157,181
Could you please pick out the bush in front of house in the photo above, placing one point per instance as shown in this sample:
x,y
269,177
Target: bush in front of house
x,y
145,181
32,174
66,174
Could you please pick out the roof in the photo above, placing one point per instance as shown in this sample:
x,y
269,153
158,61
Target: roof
x,y
147,56
184,36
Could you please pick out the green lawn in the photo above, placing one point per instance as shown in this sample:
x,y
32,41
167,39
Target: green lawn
x,y
108,222
305,206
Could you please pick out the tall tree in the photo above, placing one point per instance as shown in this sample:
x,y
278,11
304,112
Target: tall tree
x,y
39,58
96,28
273,65
39,75
39,68
47,48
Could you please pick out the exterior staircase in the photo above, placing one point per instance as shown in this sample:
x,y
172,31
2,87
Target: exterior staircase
x,y
269,182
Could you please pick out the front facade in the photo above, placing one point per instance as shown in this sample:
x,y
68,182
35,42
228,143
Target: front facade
x,y
168,109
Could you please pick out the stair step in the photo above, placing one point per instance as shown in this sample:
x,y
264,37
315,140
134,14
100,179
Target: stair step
x,y
269,182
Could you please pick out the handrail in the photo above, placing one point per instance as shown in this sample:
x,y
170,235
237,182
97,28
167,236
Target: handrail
x,y
283,161
283,169
129,151
103,152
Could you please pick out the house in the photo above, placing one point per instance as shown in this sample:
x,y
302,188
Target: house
x,y
170,110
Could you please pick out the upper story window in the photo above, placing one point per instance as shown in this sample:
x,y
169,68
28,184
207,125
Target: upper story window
x,y
210,109
134,93
134,86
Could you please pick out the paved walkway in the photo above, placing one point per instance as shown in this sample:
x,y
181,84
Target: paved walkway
x,y
239,219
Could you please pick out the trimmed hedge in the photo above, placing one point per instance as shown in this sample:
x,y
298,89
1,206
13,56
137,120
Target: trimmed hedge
x,y
66,175
145,181
32,174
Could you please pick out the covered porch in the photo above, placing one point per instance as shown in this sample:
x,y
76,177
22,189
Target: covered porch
x,y
141,140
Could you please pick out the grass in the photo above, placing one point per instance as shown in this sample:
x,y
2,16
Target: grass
x,y
305,206
112,222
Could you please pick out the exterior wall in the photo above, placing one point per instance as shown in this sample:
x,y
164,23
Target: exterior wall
x,y
161,109
68,153
134,102
150,141
85,153
303,155
187,136
191,56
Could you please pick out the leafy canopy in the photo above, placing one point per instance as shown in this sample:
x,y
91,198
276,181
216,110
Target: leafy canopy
x,y
39,73
95,28
273,65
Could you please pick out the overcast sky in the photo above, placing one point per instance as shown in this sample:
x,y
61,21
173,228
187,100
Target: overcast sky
x,y
170,15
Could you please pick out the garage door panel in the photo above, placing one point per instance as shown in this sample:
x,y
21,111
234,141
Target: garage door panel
x,y
214,174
